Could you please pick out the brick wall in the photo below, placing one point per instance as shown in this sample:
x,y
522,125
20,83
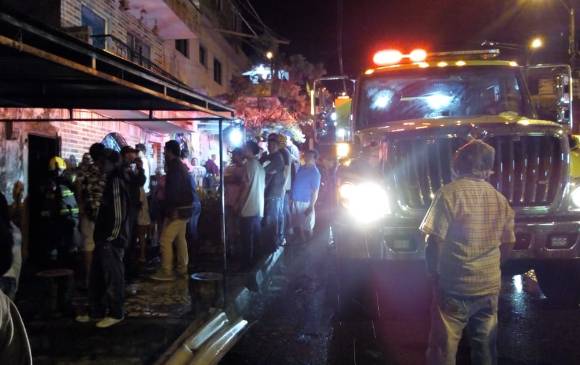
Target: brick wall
x,y
77,137
119,23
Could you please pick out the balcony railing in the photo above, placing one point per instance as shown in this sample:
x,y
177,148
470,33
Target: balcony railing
x,y
119,48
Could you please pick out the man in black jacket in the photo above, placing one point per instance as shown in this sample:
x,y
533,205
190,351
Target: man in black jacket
x,y
178,210
107,282
134,177
274,194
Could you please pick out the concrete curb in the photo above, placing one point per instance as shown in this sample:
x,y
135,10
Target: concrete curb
x,y
208,338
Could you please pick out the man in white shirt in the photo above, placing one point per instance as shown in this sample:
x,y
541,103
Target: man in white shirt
x,y
251,203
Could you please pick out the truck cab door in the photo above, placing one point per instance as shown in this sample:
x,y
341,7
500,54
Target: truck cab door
x,y
551,92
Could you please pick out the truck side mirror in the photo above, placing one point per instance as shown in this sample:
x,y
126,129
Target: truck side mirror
x,y
562,90
550,88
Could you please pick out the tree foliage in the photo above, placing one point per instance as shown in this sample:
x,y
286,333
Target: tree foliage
x,y
284,102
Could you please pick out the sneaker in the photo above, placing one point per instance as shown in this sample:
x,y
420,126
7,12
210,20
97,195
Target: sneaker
x,y
162,276
108,322
85,318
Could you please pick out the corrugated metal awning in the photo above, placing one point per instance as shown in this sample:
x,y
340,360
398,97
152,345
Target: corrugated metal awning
x,y
41,67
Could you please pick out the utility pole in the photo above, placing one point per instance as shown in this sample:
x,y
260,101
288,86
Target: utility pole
x,y
572,37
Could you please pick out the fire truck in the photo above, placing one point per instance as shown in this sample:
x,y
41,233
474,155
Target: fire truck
x,y
412,111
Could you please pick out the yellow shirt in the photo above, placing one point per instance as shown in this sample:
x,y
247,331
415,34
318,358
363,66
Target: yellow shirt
x,y
472,220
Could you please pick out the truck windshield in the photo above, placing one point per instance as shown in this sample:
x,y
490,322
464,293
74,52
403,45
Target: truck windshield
x,y
432,93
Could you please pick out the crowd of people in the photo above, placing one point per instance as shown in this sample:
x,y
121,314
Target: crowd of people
x,y
110,203
269,198
102,218
109,218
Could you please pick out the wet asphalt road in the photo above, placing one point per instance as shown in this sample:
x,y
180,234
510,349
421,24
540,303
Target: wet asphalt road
x,y
296,320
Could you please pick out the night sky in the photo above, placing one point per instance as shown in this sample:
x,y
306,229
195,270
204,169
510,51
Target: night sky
x,y
311,25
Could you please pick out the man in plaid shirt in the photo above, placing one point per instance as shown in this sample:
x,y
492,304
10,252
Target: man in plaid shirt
x,y
468,226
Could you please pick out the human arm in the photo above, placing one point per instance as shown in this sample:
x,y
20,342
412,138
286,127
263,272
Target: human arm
x,y
435,226
508,238
313,200
244,190
274,164
315,187
139,177
432,250
119,210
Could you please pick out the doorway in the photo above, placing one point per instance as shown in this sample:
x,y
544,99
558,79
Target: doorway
x,y
40,151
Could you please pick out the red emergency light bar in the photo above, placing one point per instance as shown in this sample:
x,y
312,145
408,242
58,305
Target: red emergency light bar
x,y
393,56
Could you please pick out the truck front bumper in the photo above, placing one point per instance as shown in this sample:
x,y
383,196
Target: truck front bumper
x,y
537,239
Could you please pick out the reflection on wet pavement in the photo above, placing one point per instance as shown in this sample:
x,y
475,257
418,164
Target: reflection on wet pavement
x,y
296,323
534,331
149,299
290,321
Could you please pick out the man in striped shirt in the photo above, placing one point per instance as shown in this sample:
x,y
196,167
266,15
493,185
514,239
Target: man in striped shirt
x,y
468,226
107,277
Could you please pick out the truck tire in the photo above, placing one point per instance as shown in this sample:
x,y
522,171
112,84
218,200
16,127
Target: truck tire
x,y
560,281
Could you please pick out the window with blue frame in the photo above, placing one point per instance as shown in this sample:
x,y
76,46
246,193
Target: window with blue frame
x,y
97,25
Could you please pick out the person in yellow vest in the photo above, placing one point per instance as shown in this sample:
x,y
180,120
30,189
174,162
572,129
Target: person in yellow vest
x,y
60,214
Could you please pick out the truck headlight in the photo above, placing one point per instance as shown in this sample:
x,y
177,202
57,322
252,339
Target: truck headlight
x,y
575,197
366,202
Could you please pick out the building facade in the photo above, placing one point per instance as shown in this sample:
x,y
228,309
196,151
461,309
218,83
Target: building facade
x,y
182,41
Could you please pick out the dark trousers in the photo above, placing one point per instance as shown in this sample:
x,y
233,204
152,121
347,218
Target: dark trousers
x,y
131,257
107,281
285,217
271,223
250,229
191,233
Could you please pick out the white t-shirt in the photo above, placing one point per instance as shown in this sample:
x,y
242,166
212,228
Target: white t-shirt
x,y
146,171
14,271
256,178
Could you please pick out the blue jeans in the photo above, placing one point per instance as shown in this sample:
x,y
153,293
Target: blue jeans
x,y
285,216
249,236
272,213
192,233
450,315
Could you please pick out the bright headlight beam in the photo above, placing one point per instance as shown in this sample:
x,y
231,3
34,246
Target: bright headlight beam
x,y
366,202
575,197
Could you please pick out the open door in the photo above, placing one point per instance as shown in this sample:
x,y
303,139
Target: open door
x,y
40,151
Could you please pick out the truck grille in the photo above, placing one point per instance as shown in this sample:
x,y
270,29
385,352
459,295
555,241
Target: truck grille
x,y
528,169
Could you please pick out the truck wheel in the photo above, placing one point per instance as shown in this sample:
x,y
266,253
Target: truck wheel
x,y
560,281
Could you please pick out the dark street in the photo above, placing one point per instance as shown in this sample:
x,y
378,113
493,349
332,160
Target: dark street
x,y
296,322
260,182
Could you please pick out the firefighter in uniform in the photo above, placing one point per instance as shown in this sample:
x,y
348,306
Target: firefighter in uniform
x,y
60,215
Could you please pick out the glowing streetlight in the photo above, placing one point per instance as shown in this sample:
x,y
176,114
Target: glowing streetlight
x,y
269,55
536,43
571,30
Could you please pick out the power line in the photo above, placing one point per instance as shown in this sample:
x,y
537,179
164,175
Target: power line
x,y
258,18
239,13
